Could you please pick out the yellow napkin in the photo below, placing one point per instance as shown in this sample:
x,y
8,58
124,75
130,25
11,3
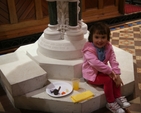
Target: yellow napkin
x,y
82,96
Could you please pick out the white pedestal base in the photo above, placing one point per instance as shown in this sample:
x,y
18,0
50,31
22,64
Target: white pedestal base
x,y
40,100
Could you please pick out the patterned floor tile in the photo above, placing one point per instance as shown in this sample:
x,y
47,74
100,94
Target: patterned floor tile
x,y
128,38
139,85
136,100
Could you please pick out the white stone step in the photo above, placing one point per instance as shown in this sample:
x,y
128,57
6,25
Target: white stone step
x,y
40,100
20,74
55,68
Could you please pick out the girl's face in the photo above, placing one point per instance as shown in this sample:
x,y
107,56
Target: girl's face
x,y
100,40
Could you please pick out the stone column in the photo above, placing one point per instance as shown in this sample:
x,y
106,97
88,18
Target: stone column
x,y
74,32
52,8
64,37
72,13
52,32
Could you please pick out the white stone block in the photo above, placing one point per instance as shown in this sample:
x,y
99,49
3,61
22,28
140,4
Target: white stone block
x,y
43,102
61,49
126,65
20,74
56,69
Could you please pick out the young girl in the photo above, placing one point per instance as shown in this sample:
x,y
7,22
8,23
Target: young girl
x,y
97,52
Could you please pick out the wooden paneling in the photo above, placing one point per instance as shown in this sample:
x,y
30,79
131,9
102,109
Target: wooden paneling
x,y
23,28
100,4
90,4
117,2
109,2
96,15
121,6
25,9
105,9
83,6
45,8
12,11
4,13
25,17
39,12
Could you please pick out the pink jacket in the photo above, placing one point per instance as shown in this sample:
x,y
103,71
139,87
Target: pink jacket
x,y
92,65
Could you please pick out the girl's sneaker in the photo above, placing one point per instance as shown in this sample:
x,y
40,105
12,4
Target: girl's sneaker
x,y
122,101
114,107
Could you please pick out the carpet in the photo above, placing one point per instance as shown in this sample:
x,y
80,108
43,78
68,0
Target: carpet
x,y
129,8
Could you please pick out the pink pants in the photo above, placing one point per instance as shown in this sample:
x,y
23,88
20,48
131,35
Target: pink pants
x,y
111,90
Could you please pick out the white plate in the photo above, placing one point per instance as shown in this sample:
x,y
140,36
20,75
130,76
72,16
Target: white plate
x,y
65,87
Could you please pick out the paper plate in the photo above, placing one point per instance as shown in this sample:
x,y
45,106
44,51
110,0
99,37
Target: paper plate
x,y
65,89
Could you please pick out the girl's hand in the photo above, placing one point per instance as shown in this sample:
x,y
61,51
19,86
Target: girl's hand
x,y
113,75
118,81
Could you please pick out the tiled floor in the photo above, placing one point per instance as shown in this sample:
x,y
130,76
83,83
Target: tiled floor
x,y
126,36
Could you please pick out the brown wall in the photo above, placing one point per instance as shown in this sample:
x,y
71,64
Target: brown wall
x,y
25,17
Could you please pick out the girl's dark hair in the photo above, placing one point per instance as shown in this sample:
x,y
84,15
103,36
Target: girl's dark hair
x,y
100,28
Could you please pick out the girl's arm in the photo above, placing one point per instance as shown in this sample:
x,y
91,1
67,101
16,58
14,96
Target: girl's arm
x,y
114,64
118,81
96,63
115,68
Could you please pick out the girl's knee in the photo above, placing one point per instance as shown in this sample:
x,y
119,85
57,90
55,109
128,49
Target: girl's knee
x,y
108,80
